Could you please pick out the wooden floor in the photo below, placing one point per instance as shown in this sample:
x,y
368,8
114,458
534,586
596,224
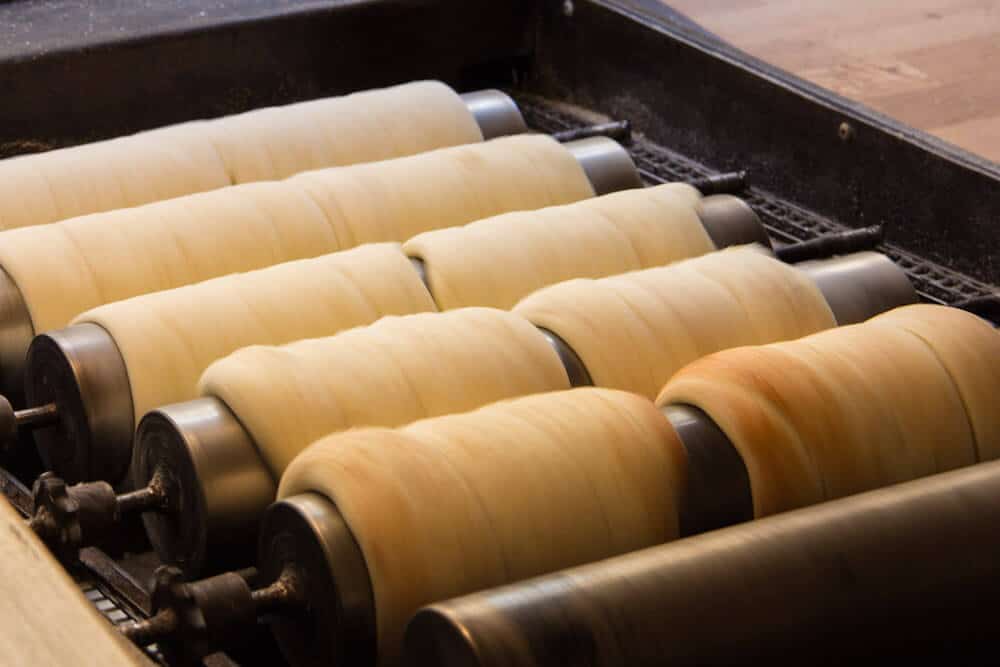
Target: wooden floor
x,y
933,64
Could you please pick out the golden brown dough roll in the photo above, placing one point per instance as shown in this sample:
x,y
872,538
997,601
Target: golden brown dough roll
x,y
265,144
68,267
393,372
969,349
168,338
465,502
634,330
497,261
845,410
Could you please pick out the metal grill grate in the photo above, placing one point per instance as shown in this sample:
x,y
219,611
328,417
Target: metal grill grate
x,y
116,612
785,221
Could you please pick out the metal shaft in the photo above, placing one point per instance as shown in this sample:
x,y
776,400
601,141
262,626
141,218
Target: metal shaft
x,y
143,500
619,130
13,421
153,629
42,415
727,183
284,592
828,245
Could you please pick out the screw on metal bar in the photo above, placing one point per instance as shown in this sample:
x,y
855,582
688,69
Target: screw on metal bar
x,y
67,518
156,496
56,519
195,618
845,131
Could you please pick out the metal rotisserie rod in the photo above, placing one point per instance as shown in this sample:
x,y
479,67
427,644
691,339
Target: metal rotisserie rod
x,y
901,572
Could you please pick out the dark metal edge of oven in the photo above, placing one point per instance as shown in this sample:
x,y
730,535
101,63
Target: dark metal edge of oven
x,y
687,90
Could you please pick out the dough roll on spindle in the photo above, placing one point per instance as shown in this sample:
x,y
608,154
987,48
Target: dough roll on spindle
x,y
168,338
636,329
969,349
853,408
500,260
265,144
461,503
390,373
66,268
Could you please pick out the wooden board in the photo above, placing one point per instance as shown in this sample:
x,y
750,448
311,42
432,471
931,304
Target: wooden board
x,y
926,63
45,618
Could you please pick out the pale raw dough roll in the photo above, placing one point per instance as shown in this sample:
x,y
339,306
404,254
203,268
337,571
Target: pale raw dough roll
x,y
265,144
396,200
66,268
461,503
497,261
168,338
969,348
367,126
838,412
393,372
633,331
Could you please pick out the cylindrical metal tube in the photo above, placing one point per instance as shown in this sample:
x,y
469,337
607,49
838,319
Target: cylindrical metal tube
x,y
730,221
906,571
495,112
16,332
571,361
81,371
221,485
225,608
860,285
607,164
337,624
717,492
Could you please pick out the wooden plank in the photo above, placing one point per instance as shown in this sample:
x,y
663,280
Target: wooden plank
x,y
927,63
45,618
